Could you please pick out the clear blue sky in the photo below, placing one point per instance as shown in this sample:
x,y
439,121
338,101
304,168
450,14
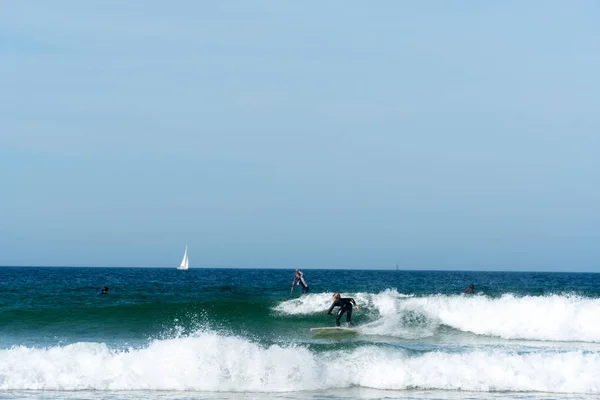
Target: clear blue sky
x,y
342,134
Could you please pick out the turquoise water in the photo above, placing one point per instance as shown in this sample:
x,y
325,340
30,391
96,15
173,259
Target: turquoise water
x,y
223,333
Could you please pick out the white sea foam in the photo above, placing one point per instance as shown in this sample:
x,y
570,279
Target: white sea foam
x,y
319,302
554,318
557,318
211,362
305,305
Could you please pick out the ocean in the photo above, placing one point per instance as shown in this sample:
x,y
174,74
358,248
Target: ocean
x,y
240,334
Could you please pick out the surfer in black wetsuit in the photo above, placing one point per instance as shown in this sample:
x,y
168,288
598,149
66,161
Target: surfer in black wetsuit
x,y
299,280
470,289
345,305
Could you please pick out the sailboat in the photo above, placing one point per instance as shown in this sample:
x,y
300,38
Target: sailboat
x,y
184,262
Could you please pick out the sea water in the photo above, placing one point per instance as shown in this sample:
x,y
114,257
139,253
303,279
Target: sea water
x,y
239,333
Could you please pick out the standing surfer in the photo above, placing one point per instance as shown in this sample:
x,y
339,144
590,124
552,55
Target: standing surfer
x,y
345,305
299,280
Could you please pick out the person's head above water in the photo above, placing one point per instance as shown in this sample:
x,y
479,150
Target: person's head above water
x,y
471,286
105,290
336,296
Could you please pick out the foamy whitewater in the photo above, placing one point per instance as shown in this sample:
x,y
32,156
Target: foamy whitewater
x,y
229,334
555,318
212,362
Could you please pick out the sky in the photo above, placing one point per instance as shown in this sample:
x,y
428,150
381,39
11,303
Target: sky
x,y
268,134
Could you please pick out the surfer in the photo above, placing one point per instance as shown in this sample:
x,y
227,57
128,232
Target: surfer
x,y
299,280
104,290
345,305
470,289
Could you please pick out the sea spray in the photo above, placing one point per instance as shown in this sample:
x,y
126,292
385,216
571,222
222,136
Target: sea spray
x,y
213,362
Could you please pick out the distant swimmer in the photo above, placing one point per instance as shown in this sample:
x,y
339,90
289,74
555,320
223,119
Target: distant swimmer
x,y
470,289
104,290
299,280
345,305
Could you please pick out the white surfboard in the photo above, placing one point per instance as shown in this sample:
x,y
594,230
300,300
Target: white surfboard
x,y
334,329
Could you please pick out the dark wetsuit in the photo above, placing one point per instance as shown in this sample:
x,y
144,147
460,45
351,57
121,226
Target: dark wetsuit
x,y
345,305
302,282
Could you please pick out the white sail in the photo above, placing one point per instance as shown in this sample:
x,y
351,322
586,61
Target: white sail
x,y
184,261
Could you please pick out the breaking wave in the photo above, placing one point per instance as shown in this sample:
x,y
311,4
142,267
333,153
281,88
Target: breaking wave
x,y
549,318
213,362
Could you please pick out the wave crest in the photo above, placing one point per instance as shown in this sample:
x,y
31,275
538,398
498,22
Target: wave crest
x,y
551,318
210,362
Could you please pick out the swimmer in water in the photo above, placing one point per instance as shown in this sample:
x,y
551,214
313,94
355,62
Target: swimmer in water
x,y
470,289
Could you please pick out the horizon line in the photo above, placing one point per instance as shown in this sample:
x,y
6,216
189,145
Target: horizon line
x,y
309,268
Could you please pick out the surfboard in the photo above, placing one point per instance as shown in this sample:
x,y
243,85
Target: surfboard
x,y
334,330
